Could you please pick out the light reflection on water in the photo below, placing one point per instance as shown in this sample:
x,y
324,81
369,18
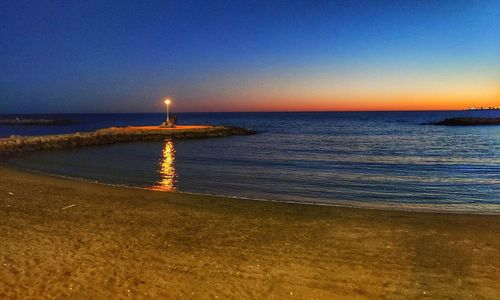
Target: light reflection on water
x,y
166,168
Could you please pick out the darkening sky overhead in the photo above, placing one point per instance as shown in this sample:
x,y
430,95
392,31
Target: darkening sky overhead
x,y
125,56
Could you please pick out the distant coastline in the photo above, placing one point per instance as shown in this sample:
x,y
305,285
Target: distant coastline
x,y
483,108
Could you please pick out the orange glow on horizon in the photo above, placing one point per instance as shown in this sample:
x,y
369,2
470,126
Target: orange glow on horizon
x,y
360,92
405,103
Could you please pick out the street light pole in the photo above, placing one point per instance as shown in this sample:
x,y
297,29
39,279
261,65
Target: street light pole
x,y
167,102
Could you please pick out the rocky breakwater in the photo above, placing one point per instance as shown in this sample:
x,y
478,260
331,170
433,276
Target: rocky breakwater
x,y
468,122
19,144
36,122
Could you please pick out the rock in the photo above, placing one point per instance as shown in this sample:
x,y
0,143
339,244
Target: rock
x,y
37,122
468,121
112,135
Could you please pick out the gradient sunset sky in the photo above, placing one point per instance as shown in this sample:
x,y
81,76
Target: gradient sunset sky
x,y
126,56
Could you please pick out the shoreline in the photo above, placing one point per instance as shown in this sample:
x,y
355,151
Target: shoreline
x,y
406,207
66,238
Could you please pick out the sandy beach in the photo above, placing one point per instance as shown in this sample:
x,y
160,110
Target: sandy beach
x,y
67,239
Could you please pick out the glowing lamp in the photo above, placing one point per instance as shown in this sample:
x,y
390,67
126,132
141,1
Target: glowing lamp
x,y
167,102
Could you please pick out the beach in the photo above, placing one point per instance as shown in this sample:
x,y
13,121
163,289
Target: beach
x,y
61,238
249,150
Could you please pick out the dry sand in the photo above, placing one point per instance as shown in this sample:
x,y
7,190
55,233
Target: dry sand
x,y
66,239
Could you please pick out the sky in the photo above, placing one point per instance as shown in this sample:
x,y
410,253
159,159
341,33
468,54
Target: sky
x,y
126,56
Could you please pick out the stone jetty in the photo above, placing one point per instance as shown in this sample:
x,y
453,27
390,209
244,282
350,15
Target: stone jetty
x,y
36,122
469,121
19,144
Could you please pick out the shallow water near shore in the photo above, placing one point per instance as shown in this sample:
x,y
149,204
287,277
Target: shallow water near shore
x,y
378,159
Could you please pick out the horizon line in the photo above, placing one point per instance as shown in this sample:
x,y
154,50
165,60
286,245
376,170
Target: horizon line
x,y
250,111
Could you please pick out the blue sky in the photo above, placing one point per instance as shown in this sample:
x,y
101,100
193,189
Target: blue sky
x,y
125,56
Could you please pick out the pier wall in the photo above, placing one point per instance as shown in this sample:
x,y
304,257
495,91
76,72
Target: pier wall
x,y
20,144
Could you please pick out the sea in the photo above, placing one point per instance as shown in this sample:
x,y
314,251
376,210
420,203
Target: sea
x,y
389,160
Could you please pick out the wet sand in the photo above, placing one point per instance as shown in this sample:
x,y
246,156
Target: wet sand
x,y
68,239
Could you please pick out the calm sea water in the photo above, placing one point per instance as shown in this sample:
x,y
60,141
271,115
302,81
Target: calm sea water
x,y
375,159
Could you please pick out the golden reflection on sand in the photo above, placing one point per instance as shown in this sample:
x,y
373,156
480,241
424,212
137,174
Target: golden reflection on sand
x,y
167,168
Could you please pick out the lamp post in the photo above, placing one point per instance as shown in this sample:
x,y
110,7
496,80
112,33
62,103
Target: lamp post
x,y
167,102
